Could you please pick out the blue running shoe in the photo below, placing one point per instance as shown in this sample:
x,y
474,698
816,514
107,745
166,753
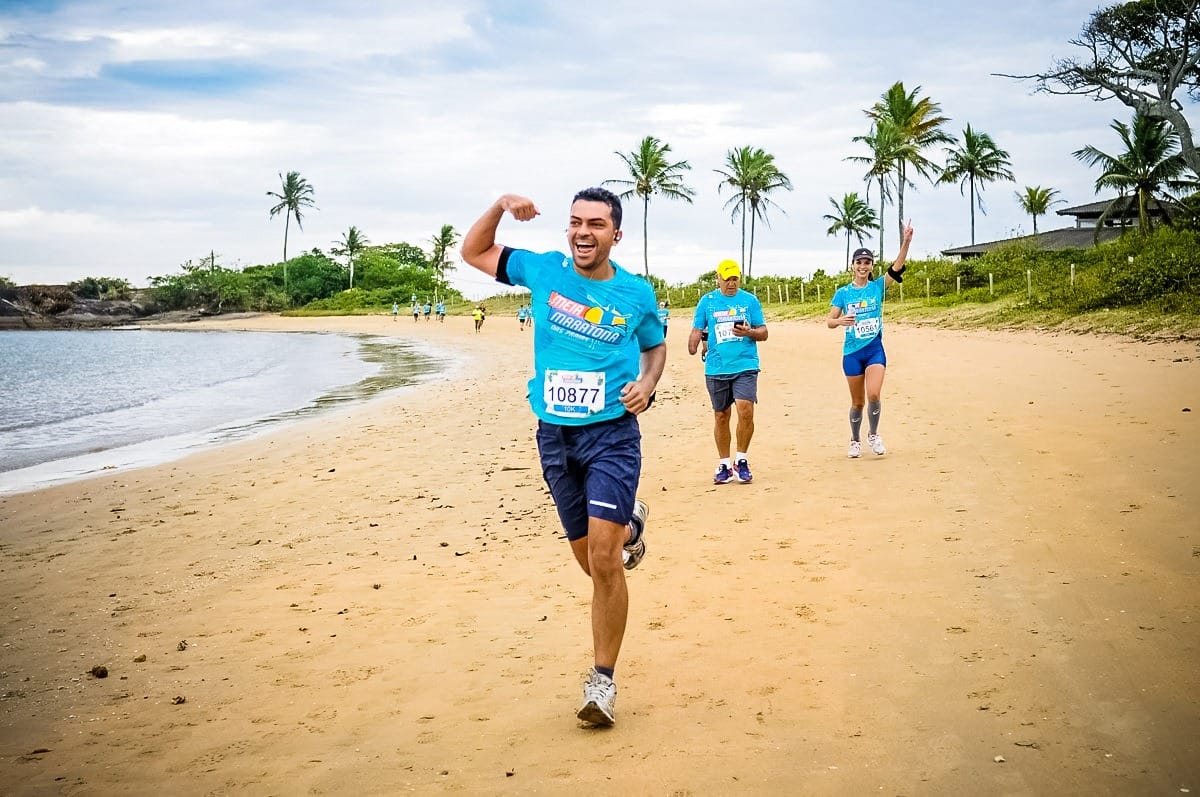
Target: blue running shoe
x,y
723,475
743,471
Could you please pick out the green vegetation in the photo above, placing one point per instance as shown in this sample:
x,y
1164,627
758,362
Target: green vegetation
x,y
1036,201
101,288
752,173
650,172
387,274
1142,53
294,194
1137,284
853,216
1140,173
976,162
913,125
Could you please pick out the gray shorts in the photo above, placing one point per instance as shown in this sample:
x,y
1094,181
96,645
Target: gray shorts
x,y
723,390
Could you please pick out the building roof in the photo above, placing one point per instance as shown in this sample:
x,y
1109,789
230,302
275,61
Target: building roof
x,y
1093,210
1066,238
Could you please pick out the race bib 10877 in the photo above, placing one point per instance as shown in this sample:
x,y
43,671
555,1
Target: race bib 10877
x,y
574,394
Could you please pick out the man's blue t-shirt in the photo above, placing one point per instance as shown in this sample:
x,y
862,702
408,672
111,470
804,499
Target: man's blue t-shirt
x,y
727,353
866,305
589,335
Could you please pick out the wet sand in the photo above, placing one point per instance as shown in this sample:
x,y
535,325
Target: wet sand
x,y
378,601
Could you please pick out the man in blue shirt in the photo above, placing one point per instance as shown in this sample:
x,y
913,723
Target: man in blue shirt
x,y
598,353
733,321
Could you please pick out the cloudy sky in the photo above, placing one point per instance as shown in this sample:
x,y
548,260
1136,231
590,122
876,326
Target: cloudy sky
x,y
137,135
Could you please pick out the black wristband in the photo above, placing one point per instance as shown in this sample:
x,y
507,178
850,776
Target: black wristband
x,y
891,272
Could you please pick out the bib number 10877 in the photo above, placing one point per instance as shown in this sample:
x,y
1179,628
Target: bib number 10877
x,y
574,394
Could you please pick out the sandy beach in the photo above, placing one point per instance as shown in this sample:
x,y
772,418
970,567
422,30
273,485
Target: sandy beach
x,y
378,600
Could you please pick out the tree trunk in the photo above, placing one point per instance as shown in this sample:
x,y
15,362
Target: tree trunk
x,y
847,247
882,222
743,228
750,256
645,234
1175,117
899,204
287,218
972,180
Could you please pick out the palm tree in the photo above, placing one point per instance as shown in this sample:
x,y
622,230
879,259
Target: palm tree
x,y
885,145
652,173
918,125
295,193
1150,162
353,242
765,178
740,165
1036,201
976,160
443,244
854,216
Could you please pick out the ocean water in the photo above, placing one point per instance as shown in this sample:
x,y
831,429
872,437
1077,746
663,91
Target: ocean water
x,y
75,403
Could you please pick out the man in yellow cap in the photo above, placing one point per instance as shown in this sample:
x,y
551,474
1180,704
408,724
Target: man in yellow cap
x,y
733,321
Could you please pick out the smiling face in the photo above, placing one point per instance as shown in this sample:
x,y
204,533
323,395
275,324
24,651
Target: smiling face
x,y
862,268
591,235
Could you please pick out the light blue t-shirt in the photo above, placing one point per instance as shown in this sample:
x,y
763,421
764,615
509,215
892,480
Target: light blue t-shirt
x,y
521,313
727,353
441,308
663,315
866,305
589,336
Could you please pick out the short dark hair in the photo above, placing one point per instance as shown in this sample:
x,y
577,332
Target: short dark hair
x,y
605,196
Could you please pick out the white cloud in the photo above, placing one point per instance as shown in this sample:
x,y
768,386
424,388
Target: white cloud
x,y
406,118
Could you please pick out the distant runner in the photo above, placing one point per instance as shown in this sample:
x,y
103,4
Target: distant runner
x,y
859,308
731,321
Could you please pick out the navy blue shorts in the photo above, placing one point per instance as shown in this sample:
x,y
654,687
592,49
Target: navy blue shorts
x,y
724,390
592,471
855,363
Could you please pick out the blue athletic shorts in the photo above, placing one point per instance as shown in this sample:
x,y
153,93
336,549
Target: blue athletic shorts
x,y
592,471
724,390
855,363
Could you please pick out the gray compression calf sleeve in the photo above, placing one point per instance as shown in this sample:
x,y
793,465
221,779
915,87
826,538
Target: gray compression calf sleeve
x,y
873,409
855,422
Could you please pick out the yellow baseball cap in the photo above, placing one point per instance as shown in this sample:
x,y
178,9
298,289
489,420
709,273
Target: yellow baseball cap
x,y
727,269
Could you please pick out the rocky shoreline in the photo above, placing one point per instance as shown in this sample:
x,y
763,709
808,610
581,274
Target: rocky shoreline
x,y
57,307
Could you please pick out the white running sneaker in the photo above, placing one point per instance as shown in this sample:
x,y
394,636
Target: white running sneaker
x,y
635,549
876,444
599,700
855,450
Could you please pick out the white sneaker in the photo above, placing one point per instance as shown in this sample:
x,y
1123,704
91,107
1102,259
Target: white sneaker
x,y
876,444
855,450
635,549
599,700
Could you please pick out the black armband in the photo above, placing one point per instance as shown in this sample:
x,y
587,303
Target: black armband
x,y
896,275
502,266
